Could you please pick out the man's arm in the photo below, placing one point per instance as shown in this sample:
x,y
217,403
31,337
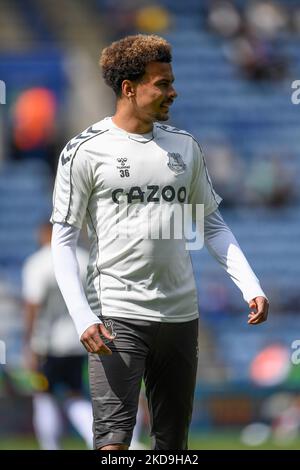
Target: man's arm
x,y
31,311
67,273
224,247
34,286
30,314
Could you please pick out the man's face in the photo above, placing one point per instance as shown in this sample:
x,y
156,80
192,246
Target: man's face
x,y
155,92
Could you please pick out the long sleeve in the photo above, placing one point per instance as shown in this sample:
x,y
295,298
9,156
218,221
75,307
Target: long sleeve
x,y
67,273
224,247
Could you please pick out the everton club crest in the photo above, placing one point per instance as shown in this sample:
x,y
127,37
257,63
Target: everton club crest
x,y
110,326
176,163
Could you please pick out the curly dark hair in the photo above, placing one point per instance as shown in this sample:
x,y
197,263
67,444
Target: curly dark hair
x,y
127,58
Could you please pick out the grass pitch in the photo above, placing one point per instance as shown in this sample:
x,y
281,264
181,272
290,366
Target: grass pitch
x,y
203,441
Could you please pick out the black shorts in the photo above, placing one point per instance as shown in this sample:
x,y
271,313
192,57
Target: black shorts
x,y
63,372
165,355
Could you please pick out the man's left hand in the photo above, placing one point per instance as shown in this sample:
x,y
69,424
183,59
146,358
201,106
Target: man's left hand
x,y
260,314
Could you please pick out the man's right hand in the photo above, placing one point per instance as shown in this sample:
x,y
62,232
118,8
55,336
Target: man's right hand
x,y
92,341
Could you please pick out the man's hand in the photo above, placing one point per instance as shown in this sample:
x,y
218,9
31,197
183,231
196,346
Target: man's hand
x,y
260,314
92,341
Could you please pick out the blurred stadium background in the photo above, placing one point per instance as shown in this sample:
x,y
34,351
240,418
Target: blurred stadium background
x,y
234,63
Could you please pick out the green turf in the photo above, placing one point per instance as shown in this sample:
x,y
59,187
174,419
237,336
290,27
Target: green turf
x,y
29,443
205,441
231,441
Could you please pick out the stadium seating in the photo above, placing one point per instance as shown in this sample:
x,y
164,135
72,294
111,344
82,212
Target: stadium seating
x,y
215,101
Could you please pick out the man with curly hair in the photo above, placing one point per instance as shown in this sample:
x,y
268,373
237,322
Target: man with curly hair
x,y
140,317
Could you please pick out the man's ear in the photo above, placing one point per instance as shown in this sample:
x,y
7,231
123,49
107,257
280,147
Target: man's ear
x,y
128,89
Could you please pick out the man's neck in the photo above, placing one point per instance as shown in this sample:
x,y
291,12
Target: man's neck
x,y
131,123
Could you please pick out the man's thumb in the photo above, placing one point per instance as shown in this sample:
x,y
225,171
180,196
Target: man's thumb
x,y
252,303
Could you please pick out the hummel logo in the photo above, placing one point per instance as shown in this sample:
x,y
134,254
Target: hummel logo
x,y
122,161
65,160
70,146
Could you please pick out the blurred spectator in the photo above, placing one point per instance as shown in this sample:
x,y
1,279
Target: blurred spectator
x,y
295,21
33,125
224,18
136,16
52,349
252,33
227,172
10,329
34,118
269,182
286,426
271,365
257,57
266,18
152,19
282,413
121,15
